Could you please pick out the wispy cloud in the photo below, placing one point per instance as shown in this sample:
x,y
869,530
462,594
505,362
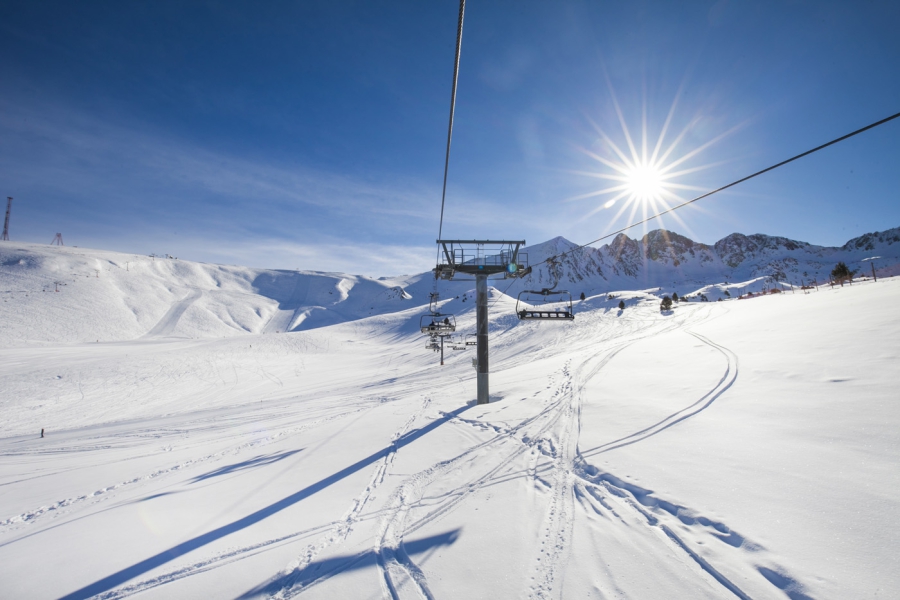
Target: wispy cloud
x,y
173,196
372,259
95,179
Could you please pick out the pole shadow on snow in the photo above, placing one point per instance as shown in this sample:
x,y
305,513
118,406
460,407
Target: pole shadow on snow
x,y
319,570
253,462
128,573
247,464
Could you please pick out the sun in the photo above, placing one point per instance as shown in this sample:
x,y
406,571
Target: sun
x,y
645,182
642,175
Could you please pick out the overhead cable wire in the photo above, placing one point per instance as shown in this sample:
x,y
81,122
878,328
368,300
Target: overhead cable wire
x,y
724,187
459,30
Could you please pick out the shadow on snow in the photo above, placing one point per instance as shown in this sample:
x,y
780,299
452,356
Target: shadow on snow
x,y
320,570
128,573
253,462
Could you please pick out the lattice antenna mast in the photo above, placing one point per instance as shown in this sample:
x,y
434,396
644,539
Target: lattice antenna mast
x,y
6,222
57,240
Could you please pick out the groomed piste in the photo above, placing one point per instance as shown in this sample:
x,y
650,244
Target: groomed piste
x,y
213,432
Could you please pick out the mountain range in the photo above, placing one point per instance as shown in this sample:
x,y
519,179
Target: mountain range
x,y
180,298
668,260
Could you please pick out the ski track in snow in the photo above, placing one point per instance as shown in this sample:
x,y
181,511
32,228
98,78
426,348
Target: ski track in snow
x,y
169,321
107,493
570,476
290,585
727,380
400,576
334,533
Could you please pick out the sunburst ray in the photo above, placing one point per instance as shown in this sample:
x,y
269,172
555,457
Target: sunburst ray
x,y
643,172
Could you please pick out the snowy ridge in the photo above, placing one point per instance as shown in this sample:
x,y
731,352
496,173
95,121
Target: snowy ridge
x,y
668,260
55,294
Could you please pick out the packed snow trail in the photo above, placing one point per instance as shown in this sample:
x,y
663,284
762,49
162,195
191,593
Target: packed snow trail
x,y
169,321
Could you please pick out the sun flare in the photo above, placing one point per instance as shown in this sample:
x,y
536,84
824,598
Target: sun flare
x,y
642,176
644,182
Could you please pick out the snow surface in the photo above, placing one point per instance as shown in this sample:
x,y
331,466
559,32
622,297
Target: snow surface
x,y
720,449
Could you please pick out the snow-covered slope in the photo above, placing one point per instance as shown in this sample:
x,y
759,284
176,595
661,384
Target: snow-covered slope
x,y
62,294
730,449
140,296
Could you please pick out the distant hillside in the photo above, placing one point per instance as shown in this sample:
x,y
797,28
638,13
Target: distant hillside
x,y
669,260
110,296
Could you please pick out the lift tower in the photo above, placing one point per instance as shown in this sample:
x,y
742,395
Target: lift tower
x,y
6,222
483,259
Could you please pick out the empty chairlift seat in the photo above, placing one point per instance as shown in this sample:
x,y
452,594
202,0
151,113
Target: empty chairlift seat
x,y
545,305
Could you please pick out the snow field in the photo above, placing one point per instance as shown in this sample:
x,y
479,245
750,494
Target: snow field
x,y
727,449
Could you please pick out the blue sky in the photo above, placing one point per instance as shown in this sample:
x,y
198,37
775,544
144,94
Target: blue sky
x,y
311,134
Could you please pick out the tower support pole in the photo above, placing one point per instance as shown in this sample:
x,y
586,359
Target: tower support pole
x,y
6,221
481,328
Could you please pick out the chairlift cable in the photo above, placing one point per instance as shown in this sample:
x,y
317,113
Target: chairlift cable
x,y
706,195
724,187
459,30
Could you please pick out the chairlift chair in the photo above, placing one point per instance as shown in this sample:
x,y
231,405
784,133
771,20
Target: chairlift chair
x,y
563,311
437,324
471,340
457,344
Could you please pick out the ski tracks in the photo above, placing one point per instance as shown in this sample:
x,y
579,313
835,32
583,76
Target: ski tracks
x,y
62,507
559,519
725,382
684,529
290,582
328,535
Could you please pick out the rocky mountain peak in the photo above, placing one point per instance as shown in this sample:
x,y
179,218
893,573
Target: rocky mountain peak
x,y
869,241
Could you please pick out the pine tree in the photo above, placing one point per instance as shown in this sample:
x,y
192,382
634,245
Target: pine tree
x,y
666,303
621,305
842,273
675,297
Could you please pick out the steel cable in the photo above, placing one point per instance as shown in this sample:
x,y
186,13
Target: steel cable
x,y
459,30
724,187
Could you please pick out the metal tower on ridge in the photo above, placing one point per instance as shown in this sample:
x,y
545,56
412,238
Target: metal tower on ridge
x,y
6,222
57,240
482,258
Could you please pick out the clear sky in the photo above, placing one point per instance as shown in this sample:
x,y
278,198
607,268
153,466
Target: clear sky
x,y
311,134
